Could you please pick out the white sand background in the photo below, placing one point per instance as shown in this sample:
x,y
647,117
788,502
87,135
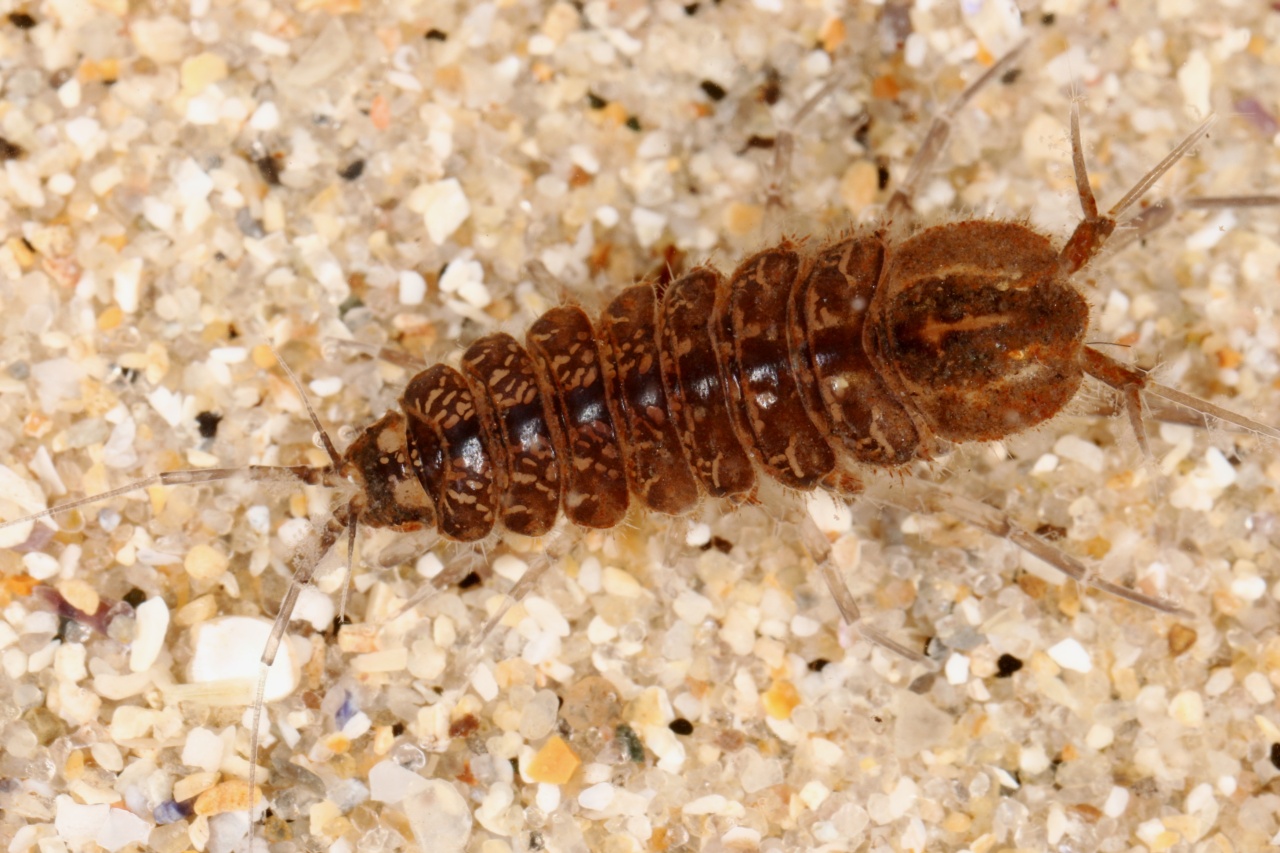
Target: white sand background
x,y
146,261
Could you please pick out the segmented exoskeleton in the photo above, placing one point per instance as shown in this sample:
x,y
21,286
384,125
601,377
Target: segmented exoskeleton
x,y
796,365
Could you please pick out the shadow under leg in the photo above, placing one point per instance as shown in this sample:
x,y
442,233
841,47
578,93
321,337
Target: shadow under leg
x,y
921,496
935,140
815,542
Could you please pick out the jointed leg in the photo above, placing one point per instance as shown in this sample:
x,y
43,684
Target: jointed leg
x,y
390,355
559,543
352,525
1131,382
819,549
305,560
1155,217
784,143
935,140
1094,230
926,497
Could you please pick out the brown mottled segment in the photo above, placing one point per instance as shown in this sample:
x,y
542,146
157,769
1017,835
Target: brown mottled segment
x,y
657,469
975,328
787,443
446,448
563,344
504,383
695,388
828,312
390,494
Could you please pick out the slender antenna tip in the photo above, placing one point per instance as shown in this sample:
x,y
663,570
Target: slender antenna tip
x,y
325,441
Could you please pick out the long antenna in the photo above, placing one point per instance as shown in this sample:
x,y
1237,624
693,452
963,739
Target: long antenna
x,y
320,476
326,476
334,456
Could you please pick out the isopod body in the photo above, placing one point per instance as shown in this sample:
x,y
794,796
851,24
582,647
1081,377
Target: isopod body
x,y
796,365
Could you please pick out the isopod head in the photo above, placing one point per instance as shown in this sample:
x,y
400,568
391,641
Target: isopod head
x,y
975,324
391,496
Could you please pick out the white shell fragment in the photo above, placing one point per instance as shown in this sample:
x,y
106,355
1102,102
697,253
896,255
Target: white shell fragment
x,y
18,496
444,207
108,827
229,649
1069,654
153,624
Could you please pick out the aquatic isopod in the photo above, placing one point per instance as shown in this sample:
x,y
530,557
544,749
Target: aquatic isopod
x,y
814,363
